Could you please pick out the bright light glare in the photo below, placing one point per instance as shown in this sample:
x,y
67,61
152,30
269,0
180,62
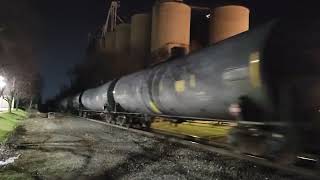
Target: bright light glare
x,y
208,16
2,82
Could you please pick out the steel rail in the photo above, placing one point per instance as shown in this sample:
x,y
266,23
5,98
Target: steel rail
x,y
215,147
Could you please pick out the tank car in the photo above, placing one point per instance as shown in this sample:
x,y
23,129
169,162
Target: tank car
x,y
69,104
267,79
204,84
76,102
98,100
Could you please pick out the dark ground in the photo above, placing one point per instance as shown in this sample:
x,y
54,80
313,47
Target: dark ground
x,y
73,148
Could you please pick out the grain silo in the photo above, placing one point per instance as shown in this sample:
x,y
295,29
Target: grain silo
x,y
110,40
227,21
99,44
170,27
122,40
140,38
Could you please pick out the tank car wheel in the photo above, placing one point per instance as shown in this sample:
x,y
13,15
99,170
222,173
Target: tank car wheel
x,y
287,154
273,149
146,125
138,126
113,121
121,120
108,118
128,123
245,142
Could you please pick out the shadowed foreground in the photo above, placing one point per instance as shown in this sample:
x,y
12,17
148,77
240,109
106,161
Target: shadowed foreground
x,y
73,148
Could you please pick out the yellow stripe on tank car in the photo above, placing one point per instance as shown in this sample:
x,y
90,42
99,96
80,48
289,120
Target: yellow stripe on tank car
x,y
154,107
180,86
193,81
254,69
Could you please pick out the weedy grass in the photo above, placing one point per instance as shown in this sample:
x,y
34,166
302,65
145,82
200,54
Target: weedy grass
x,y
9,121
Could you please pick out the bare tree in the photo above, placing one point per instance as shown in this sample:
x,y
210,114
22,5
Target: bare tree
x,y
18,66
9,93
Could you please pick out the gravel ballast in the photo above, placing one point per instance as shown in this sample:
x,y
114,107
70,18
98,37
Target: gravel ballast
x,y
74,148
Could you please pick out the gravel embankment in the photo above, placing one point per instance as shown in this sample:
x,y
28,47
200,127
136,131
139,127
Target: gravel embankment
x,y
73,148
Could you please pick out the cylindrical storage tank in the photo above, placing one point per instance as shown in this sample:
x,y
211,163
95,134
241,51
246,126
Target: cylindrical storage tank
x,y
140,38
170,25
99,44
122,41
110,39
227,21
100,98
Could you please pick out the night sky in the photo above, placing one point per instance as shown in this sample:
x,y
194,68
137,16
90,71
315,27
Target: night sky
x,y
60,29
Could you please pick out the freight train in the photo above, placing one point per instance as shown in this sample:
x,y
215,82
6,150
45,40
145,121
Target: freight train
x,y
266,80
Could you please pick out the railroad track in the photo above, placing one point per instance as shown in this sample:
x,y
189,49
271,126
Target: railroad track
x,y
219,148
